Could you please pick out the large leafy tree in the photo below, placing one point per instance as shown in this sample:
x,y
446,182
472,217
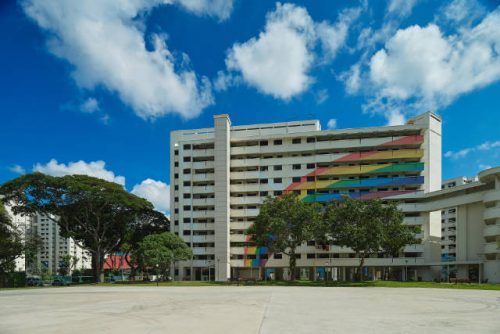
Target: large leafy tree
x,y
97,214
161,250
11,245
283,224
367,227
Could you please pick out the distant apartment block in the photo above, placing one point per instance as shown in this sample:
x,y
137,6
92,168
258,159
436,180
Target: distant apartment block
x,y
52,245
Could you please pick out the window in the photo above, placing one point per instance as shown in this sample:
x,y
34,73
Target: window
x,y
310,179
263,181
278,142
296,141
187,183
263,193
176,187
186,232
187,195
311,140
176,210
187,171
277,180
176,152
176,199
310,192
263,168
296,179
176,176
176,164
187,146
187,208
277,167
187,220
311,166
311,256
187,159
278,193
278,256
263,143
296,166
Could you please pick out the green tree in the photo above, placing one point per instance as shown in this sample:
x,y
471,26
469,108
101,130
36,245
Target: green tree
x,y
67,264
367,227
161,250
97,214
11,245
283,224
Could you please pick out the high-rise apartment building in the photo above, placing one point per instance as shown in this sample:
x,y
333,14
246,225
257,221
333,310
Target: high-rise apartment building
x,y
220,176
52,246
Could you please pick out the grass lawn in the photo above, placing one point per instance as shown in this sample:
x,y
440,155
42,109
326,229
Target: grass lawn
x,y
384,284
381,284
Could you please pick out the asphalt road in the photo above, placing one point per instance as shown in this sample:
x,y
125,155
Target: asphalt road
x,y
234,309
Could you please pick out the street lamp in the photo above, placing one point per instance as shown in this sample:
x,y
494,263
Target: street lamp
x,y
406,270
327,270
217,274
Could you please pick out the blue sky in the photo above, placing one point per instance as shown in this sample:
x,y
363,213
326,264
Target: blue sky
x,y
95,87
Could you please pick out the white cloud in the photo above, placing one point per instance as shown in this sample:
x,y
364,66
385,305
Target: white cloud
x,y
17,169
461,12
333,37
104,41
401,8
486,146
93,168
332,123
395,117
157,192
421,69
321,96
218,8
263,61
279,60
90,106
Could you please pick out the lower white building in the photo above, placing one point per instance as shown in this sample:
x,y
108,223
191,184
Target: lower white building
x,y
53,247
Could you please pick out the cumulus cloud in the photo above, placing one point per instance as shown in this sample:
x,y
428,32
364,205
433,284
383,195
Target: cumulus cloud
x,y
157,192
104,41
486,146
93,168
421,68
17,169
279,60
332,123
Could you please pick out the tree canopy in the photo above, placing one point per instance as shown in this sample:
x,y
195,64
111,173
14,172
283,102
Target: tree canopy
x,y
283,224
367,227
11,245
97,214
159,251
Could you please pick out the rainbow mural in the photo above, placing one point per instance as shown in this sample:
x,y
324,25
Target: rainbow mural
x,y
338,187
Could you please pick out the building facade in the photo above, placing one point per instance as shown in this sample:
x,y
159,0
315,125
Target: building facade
x,y
221,175
52,246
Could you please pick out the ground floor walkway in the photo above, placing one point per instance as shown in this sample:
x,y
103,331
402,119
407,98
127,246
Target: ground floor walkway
x,y
232,309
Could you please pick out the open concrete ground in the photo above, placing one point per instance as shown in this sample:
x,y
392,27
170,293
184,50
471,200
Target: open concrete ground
x,y
231,309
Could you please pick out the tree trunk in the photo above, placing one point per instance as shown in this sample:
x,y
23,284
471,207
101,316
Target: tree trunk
x,y
293,265
97,266
360,268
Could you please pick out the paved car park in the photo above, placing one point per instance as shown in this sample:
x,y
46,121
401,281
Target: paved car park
x,y
232,309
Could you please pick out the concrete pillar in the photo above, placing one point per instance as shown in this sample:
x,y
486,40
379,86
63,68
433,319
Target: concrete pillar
x,y
222,210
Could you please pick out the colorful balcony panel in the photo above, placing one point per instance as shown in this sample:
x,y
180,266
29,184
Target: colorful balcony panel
x,y
358,195
255,263
370,169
